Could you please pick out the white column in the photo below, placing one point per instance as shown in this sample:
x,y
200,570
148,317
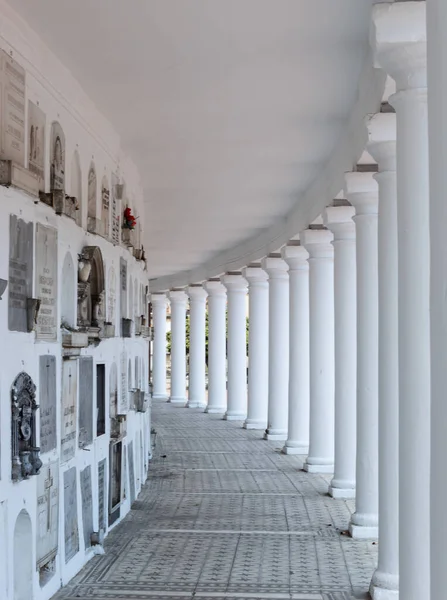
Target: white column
x,y
339,220
159,303
197,309
258,348
400,43
237,347
382,147
437,98
321,331
278,348
217,347
362,193
178,347
296,257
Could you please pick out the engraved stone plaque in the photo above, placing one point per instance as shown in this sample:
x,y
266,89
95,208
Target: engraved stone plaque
x,y
46,282
87,505
102,494
57,158
47,513
47,402
85,401
36,143
111,297
68,410
92,191
116,210
20,285
123,287
71,531
123,404
105,207
131,472
12,84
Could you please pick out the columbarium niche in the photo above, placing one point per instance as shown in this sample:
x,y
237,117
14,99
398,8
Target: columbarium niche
x,y
91,292
25,453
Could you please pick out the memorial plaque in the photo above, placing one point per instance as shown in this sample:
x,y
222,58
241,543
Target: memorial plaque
x,y
85,401
71,531
111,297
124,477
47,402
131,472
46,282
36,143
123,404
116,213
47,513
116,458
12,85
20,286
102,494
92,191
123,287
87,505
105,207
57,158
68,411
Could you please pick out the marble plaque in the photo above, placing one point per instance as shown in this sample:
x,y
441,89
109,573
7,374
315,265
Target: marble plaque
x,y
36,143
71,531
124,477
85,401
123,288
131,472
111,297
47,513
57,158
12,84
46,282
20,285
87,505
116,213
123,401
47,402
92,191
105,207
68,410
102,494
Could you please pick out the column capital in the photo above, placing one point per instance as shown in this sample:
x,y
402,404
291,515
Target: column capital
x,y
296,257
159,299
197,293
178,297
256,277
234,282
399,40
215,288
382,140
362,192
338,219
276,267
318,243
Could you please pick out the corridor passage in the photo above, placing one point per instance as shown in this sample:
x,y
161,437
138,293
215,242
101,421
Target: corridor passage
x,y
225,515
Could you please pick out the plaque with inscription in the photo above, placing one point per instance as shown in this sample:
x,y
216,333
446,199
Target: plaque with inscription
x,y
123,287
87,505
123,403
116,213
92,190
102,495
85,401
47,402
71,531
111,297
57,158
46,282
13,109
105,207
131,472
47,513
36,143
68,410
20,286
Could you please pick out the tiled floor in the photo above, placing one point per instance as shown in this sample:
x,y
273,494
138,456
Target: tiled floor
x,y
225,515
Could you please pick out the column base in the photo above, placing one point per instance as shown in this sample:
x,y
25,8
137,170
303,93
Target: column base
x,y
275,437
384,586
177,401
364,526
160,397
311,468
341,493
253,424
234,416
215,410
295,448
195,404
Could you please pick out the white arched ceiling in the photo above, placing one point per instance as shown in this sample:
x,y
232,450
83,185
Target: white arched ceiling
x,y
241,115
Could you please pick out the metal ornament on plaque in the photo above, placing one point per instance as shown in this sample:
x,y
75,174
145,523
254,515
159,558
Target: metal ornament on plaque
x,y
12,82
36,143
47,513
46,282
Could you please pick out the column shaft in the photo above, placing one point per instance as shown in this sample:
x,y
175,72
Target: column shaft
x,y
159,302
178,347
217,342
197,364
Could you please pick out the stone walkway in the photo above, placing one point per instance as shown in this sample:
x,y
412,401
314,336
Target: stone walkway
x,y
225,515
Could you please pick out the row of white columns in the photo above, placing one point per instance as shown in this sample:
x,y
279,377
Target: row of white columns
x,y
370,263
